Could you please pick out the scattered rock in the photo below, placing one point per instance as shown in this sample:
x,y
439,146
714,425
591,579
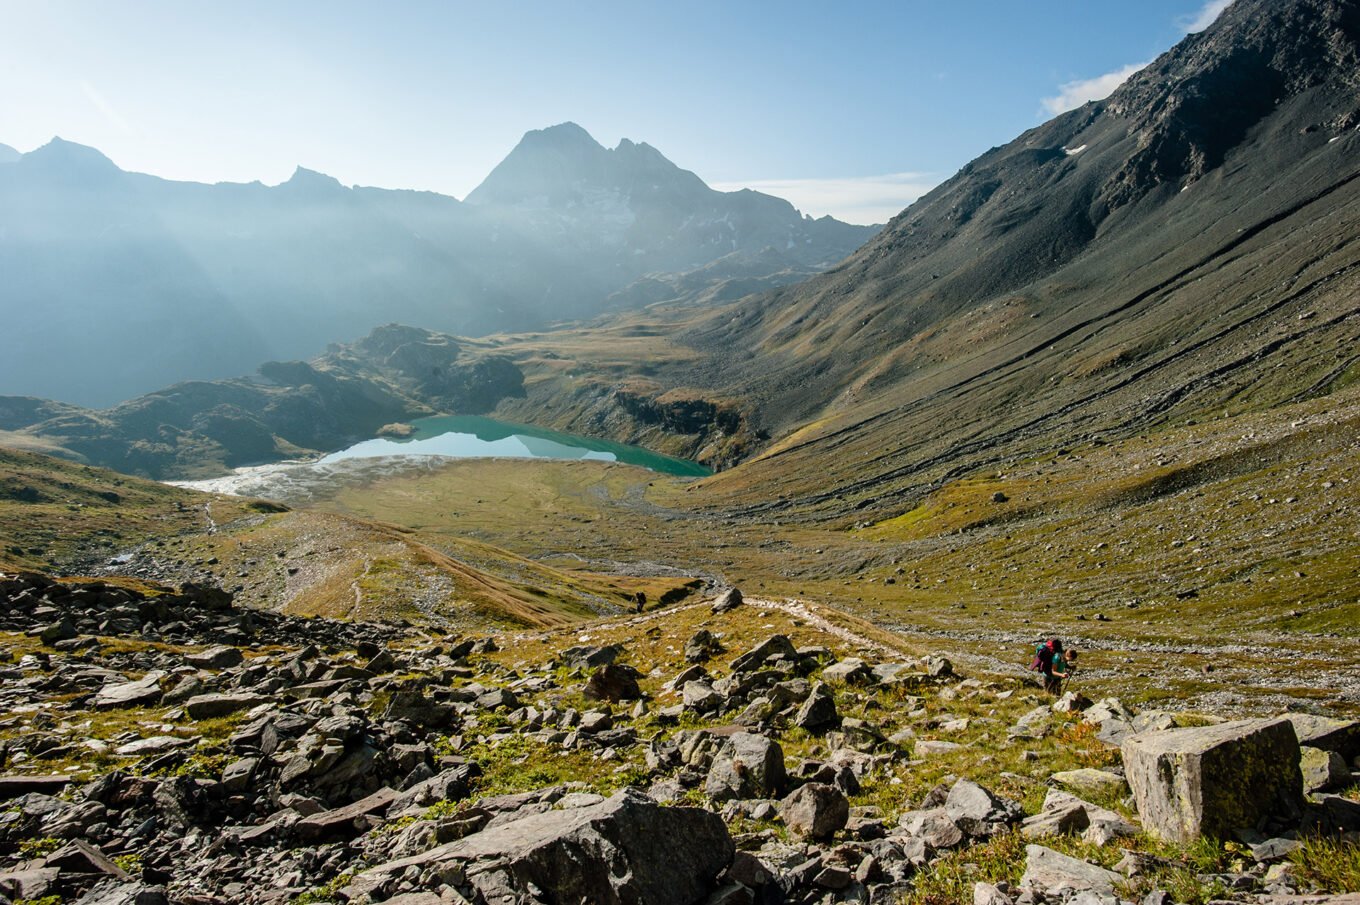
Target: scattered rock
x,y
815,811
727,600
219,657
1050,872
613,682
748,765
143,692
818,711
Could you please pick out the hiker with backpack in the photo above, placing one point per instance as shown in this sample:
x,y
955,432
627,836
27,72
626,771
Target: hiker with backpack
x,y
1052,663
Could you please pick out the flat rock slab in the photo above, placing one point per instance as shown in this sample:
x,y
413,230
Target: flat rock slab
x,y
1050,871
624,850
141,693
1212,780
208,706
1089,780
157,744
220,657
47,784
342,821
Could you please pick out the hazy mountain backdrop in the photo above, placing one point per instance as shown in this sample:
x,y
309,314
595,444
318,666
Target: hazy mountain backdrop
x,y
118,283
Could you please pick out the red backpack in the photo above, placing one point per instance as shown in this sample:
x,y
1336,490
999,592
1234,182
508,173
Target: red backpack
x,y
1043,656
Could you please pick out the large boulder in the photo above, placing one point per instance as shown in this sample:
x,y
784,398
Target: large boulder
x,y
613,682
748,765
1212,780
818,711
622,851
815,811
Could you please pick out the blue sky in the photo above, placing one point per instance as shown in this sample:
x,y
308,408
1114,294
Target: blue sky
x,y
850,109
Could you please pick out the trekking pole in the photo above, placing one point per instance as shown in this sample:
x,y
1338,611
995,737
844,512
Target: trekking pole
x,y
1067,679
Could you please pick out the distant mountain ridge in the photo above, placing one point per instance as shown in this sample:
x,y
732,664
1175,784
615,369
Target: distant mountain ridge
x,y
134,282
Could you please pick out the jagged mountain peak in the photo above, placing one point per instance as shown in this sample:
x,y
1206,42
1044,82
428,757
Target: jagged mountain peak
x,y
558,163
311,180
8,154
69,158
561,136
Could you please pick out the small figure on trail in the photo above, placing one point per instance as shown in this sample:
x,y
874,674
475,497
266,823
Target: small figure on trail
x,y
1049,660
640,600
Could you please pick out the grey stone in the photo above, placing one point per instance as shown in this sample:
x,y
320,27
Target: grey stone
x,y
933,827
143,692
220,657
700,697
1211,780
238,774
345,821
498,698
930,747
157,744
1341,736
210,706
592,656
1323,770
596,721
938,666
727,600
773,647
818,710
851,669
1049,871
1064,813
746,766
815,811
623,851
702,646
987,894
418,708
28,884
1091,781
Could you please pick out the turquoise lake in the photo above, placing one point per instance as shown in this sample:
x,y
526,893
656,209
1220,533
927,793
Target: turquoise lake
x,y
470,436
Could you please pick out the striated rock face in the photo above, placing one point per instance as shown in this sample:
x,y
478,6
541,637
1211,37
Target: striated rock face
x,y
1213,780
627,849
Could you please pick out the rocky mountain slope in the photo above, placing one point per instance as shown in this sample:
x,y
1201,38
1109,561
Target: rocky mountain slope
x,y
142,281
1185,249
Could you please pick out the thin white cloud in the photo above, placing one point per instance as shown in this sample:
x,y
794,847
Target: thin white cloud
x,y
105,108
864,199
1072,95
1206,16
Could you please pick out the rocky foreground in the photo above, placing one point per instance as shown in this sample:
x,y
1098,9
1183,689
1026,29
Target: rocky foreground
x,y
165,746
